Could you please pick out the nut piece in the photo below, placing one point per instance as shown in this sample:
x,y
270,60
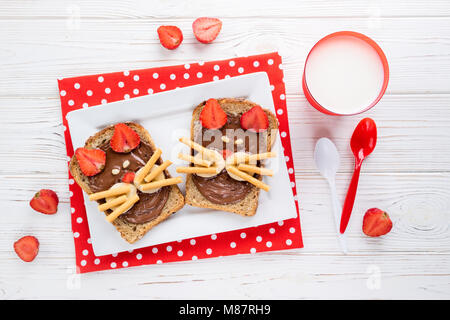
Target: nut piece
x,y
115,171
225,139
125,164
239,141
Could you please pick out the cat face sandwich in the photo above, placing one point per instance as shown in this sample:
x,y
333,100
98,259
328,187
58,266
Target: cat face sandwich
x,y
230,140
121,168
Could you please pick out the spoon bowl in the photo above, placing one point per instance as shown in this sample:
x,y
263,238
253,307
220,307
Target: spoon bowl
x,y
326,158
364,138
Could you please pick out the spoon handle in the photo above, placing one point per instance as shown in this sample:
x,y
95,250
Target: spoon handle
x,y
336,212
350,198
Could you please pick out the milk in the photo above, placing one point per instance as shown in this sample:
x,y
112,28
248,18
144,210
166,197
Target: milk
x,y
344,74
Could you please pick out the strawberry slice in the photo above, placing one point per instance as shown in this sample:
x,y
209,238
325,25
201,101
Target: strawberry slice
x,y
27,248
376,223
91,161
170,36
45,201
128,177
226,153
212,115
255,120
206,29
124,138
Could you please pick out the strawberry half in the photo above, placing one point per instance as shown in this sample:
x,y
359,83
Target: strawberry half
x,y
255,120
226,153
206,29
170,36
45,201
128,177
212,115
376,223
124,138
27,248
91,161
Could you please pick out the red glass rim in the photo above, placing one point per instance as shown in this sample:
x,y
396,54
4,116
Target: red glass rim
x,y
378,50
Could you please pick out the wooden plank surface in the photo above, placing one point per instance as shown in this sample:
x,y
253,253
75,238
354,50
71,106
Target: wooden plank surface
x,y
172,9
98,45
408,175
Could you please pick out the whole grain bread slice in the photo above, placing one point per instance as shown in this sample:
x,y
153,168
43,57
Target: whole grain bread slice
x,y
131,232
248,205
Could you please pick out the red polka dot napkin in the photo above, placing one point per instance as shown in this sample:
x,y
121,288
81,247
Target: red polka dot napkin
x,y
87,91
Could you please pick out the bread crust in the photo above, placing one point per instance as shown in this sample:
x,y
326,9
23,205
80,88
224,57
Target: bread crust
x,y
131,232
248,205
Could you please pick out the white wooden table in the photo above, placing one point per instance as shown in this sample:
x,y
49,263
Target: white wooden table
x,y
408,175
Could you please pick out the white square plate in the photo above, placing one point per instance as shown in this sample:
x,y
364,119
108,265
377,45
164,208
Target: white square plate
x,y
167,117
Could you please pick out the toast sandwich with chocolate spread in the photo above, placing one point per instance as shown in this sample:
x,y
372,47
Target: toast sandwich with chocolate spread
x,y
230,127
110,168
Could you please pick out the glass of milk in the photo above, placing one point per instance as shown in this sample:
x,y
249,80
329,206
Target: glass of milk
x,y
346,73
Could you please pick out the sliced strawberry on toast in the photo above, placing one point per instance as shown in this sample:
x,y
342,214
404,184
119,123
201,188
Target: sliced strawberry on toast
x,y
206,29
212,115
128,177
27,248
170,36
226,153
45,201
91,161
124,139
255,120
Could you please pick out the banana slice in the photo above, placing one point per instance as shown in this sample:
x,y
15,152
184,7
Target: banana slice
x,y
218,163
129,194
229,162
159,177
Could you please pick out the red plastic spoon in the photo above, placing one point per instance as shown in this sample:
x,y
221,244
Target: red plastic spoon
x,y
363,142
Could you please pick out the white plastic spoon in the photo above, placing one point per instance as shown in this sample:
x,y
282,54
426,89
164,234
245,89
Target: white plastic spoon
x,y
327,161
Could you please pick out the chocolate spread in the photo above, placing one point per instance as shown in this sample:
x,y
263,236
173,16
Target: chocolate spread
x,y
149,205
222,189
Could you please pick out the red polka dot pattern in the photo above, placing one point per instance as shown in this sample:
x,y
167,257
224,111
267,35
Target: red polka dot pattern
x,y
86,91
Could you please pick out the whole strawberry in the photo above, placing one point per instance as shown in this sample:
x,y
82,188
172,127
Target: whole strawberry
x,y
376,223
